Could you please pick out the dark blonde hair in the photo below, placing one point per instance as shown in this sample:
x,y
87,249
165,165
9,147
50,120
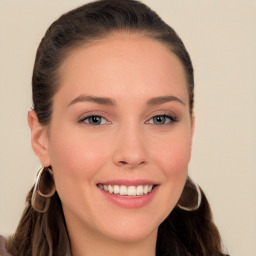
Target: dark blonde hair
x,y
41,234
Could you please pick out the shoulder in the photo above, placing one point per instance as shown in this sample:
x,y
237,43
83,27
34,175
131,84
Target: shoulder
x,y
3,248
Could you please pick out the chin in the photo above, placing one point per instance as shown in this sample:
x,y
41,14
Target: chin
x,y
133,236
131,229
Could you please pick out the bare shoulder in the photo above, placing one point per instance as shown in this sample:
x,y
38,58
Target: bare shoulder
x,y
3,248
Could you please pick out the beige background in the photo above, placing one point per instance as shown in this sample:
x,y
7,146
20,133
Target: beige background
x,y
220,36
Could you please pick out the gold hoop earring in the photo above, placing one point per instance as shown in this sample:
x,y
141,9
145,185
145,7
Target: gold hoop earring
x,y
44,189
190,199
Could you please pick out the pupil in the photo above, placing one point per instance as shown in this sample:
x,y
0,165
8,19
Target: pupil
x,y
96,119
160,119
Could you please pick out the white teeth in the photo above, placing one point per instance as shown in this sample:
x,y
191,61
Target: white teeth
x,y
123,190
110,189
131,191
145,189
116,189
139,191
127,190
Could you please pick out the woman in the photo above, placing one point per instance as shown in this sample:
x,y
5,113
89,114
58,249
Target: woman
x,y
112,126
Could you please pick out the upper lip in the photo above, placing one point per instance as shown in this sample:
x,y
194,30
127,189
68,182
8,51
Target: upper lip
x,y
128,182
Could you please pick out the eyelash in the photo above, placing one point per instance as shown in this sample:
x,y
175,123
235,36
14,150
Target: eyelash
x,y
171,117
83,120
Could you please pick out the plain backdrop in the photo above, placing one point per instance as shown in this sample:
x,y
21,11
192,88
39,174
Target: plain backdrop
x,y
220,37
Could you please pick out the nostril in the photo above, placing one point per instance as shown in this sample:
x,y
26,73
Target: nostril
x,y
132,165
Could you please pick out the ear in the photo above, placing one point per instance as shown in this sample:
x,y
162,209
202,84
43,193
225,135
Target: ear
x,y
193,124
39,138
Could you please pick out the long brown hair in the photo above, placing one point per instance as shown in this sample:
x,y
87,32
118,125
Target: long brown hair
x,y
41,234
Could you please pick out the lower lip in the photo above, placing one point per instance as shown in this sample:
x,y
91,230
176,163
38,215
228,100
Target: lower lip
x,y
130,202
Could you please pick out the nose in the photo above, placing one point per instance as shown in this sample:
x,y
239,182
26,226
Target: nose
x,y
130,150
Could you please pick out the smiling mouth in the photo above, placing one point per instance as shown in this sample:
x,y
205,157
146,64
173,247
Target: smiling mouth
x,y
129,191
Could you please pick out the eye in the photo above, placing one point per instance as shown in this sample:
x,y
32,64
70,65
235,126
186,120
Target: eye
x,y
162,119
94,120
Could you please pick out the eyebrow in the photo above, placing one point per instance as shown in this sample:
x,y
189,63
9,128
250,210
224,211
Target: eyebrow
x,y
93,99
110,102
163,99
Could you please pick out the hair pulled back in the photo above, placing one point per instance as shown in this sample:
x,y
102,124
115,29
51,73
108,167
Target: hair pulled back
x,y
45,234
90,22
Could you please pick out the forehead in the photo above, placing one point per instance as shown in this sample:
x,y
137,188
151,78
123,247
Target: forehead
x,y
123,63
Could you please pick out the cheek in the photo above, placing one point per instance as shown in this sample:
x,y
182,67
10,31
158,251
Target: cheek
x,y
75,158
173,154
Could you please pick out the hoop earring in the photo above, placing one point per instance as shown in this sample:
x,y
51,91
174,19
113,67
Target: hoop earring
x,y
44,189
190,199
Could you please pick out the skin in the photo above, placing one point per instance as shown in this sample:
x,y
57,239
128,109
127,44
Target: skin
x,y
129,69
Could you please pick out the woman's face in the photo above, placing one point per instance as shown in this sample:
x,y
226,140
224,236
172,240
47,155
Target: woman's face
x,y
120,122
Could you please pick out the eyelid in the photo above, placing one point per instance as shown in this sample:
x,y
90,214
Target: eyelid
x,y
167,114
91,114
